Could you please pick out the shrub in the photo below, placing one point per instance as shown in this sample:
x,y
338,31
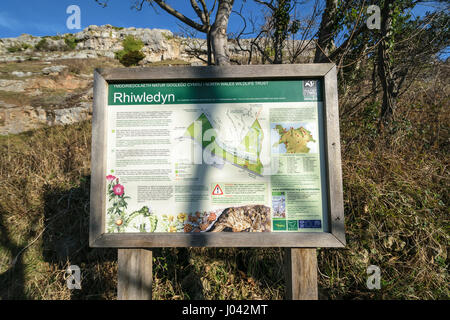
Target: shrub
x,y
131,58
20,47
70,41
13,49
131,53
42,45
168,36
130,43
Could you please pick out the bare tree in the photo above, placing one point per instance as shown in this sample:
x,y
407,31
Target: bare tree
x,y
326,31
216,33
283,36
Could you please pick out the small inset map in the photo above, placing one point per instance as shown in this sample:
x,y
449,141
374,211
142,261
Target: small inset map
x,y
292,139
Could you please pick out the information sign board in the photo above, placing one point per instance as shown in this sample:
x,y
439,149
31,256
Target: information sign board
x,y
208,156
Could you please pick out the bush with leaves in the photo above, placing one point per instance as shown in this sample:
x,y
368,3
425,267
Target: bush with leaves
x,y
19,47
131,58
131,53
70,41
42,45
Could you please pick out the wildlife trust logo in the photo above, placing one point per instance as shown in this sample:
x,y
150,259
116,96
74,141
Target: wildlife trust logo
x,y
310,90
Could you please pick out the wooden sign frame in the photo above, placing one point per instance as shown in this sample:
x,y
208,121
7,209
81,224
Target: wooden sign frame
x,y
325,72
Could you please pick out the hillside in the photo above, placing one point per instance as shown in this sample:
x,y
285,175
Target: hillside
x,y
46,81
395,188
52,84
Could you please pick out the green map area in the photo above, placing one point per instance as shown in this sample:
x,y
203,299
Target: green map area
x,y
295,140
255,134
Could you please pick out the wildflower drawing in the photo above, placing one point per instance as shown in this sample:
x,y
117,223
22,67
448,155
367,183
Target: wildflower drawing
x,y
170,223
118,201
142,220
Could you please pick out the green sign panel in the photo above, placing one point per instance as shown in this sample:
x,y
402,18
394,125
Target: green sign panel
x,y
214,92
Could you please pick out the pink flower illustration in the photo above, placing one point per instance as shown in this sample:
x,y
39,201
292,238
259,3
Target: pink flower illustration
x,y
118,189
110,178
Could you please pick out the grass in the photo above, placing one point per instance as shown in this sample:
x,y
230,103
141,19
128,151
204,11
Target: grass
x,y
87,66
27,66
396,206
174,62
19,47
48,99
14,98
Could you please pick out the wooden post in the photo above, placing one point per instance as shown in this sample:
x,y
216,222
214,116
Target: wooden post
x,y
135,274
301,274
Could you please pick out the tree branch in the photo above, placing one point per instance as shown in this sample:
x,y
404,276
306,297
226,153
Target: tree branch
x,y
198,11
166,7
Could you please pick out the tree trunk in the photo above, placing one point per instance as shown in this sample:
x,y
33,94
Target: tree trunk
x,y
326,30
278,46
385,66
219,40
208,45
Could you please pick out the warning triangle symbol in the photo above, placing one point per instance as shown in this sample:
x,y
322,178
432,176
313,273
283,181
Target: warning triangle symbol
x,y
217,191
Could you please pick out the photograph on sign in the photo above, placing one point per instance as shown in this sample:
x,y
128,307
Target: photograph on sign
x,y
215,156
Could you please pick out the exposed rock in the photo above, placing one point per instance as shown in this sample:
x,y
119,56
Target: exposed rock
x,y
14,119
6,105
68,82
67,97
12,85
19,119
104,41
71,115
53,69
21,74
96,41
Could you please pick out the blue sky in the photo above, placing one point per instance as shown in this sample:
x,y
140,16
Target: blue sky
x,y
48,17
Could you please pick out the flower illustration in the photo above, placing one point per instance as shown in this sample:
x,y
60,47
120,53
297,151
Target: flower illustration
x,y
172,229
118,189
110,178
182,217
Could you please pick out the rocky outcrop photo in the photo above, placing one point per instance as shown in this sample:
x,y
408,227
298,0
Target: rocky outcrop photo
x,y
255,218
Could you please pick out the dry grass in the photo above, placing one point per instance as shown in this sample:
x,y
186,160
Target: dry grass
x,y
26,66
396,206
87,66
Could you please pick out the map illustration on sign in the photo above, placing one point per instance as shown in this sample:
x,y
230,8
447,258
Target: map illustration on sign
x,y
234,135
292,139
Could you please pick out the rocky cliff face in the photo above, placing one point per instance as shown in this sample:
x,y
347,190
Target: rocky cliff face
x,y
54,86
96,41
